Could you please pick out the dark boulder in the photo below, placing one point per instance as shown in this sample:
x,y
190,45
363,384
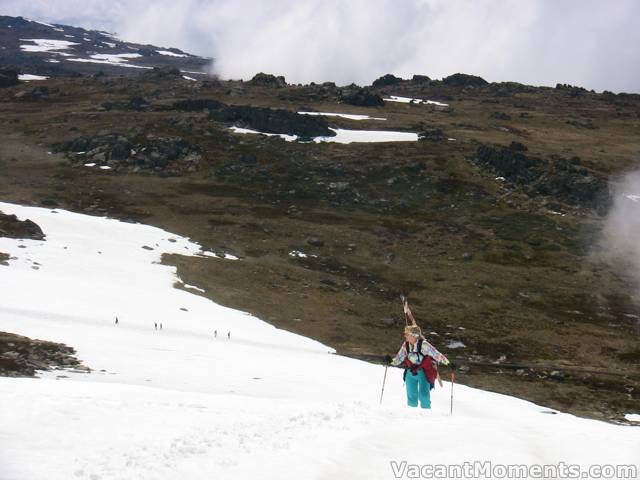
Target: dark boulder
x,y
270,120
119,151
11,227
385,80
363,98
420,79
464,80
267,80
432,134
8,78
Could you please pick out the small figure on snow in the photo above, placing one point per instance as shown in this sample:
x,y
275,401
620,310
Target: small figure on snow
x,y
155,325
160,326
215,334
116,320
229,334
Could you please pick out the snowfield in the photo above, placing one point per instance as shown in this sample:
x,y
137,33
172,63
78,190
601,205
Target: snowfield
x,y
46,45
264,404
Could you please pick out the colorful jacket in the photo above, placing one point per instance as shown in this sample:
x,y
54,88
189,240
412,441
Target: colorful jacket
x,y
427,349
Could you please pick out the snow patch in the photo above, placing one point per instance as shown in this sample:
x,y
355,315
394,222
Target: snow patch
x,y
171,54
344,136
28,77
632,417
189,78
45,45
395,98
350,116
456,344
193,287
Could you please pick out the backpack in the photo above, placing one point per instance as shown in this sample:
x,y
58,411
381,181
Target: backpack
x,y
420,361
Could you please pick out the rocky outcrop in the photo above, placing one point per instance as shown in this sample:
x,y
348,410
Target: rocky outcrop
x,y
420,79
464,80
270,120
22,356
362,97
8,78
385,80
120,152
563,179
11,227
267,80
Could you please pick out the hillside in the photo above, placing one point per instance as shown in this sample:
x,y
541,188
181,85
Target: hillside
x,y
485,204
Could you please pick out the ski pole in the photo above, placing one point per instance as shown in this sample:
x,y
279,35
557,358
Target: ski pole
x,y
383,382
452,380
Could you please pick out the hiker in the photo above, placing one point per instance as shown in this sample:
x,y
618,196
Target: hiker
x,y
419,359
215,334
155,325
160,326
116,320
229,334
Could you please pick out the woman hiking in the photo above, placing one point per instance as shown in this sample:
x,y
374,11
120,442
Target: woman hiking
x,y
419,359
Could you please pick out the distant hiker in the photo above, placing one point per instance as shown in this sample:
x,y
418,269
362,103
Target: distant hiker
x,y
155,326
160,326
229,334
116,320
419,359
215,334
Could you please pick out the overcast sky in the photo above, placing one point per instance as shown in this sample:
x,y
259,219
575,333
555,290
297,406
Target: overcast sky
x,y
592,43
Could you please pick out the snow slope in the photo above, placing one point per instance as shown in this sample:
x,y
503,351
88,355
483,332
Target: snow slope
x,y
265,404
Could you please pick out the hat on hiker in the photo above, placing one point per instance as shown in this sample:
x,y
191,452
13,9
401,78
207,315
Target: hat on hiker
x,y
413,330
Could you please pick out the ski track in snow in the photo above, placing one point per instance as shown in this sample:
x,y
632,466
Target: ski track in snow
x,y
179,403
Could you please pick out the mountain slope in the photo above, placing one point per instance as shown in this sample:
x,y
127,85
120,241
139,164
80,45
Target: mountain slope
x,y
37,48
263,404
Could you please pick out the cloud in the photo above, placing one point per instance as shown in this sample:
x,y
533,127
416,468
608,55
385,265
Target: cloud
x,y
621,232
583,42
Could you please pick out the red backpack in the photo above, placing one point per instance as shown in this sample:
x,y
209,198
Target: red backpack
x,y
425,363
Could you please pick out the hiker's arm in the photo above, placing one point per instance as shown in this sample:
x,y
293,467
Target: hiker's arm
x,y
400,356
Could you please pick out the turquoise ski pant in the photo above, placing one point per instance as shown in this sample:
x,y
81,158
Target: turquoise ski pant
x,y
418,388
